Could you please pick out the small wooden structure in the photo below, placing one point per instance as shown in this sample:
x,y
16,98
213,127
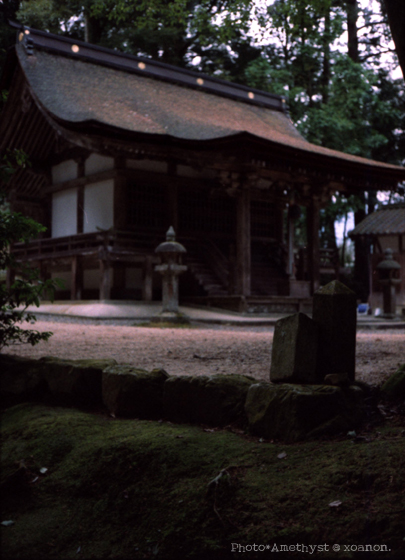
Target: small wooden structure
x,y
384,229
122,147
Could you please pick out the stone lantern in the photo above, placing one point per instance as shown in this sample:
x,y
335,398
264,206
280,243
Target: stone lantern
x,y
170,252
388,277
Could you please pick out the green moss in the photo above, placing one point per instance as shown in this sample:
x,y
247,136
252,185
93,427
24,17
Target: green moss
x,y
394,387
144,489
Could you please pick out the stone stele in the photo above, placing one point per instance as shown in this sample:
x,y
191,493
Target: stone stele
x,y
334,310
294,352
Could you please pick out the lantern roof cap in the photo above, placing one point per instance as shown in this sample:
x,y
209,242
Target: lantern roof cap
x,y
170,245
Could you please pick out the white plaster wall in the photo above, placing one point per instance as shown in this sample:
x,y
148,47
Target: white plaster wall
x,y
133,278
65,171
98,206
64,213
97,163
147,165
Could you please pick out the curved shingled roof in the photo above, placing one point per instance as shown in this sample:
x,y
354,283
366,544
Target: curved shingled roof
x,y
78,89
387,221
84,88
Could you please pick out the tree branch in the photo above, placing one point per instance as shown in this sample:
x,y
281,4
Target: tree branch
x,y
371,24
370,55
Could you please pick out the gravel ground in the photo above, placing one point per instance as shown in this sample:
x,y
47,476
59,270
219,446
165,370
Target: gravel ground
x,y
201,350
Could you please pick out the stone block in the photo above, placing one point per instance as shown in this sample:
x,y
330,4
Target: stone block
x,y
74,381
217,400
339,379
134,392
290,412
21,380
294,351
334,310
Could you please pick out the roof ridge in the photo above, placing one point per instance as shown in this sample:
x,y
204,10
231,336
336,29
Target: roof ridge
x,y
34,38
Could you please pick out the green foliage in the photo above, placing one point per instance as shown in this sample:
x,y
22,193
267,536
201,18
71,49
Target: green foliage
x,y
8,9
173,32
356,117
46,15
27,289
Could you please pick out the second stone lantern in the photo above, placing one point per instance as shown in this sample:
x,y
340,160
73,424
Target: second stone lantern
x,y
389,277
170,252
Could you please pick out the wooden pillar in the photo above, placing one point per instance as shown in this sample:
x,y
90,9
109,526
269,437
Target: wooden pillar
x,y
80,208
47,216
147,285
44,275
279,222
105,279
119,282
76,290
120,203
10,278
243,244
80,196
173,209
290,245
313,244
232,270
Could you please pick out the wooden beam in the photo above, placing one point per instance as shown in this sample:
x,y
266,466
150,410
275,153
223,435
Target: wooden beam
x,y
82,181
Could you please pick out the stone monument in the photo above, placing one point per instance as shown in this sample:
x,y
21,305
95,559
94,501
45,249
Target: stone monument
x,y
294,351
307,350
335,312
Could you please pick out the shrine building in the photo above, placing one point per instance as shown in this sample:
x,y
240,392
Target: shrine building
x,y
123,147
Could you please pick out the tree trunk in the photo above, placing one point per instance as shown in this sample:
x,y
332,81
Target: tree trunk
x,y
352,40
361,276
343,254
396,18
361,248
93,31
326,58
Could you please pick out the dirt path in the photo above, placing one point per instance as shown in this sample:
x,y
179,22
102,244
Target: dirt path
x,y
201,350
